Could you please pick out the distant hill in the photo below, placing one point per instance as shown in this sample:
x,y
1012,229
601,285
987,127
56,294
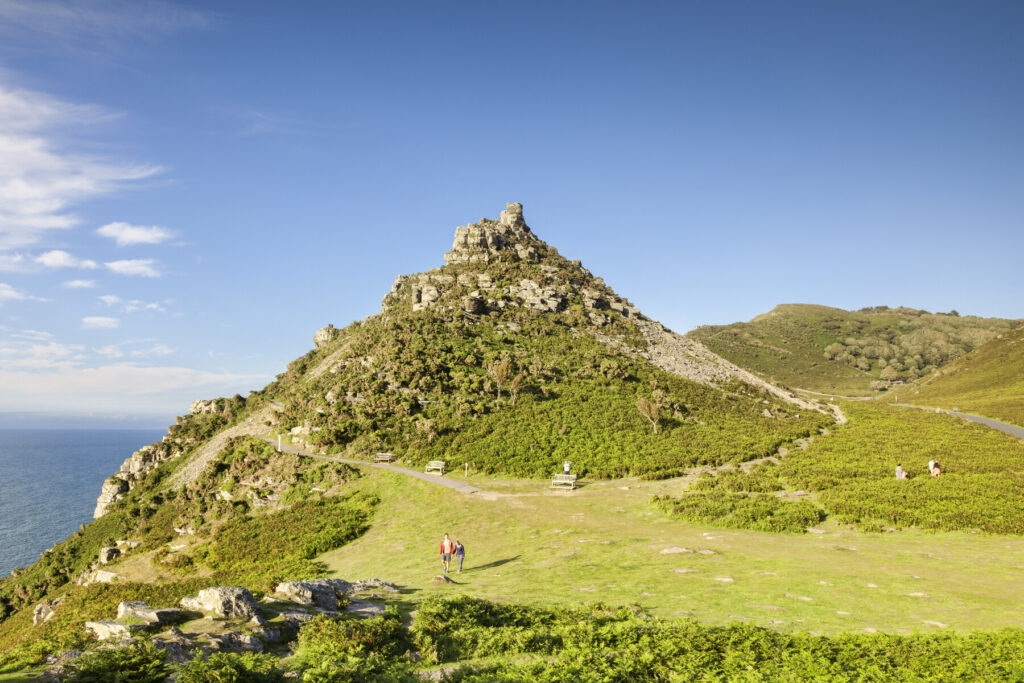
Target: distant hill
x,y
831,350
989,381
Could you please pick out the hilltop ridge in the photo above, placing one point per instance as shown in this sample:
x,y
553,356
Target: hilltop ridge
x,y
833,351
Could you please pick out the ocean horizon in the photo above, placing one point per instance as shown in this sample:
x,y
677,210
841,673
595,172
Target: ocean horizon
x,y
49,482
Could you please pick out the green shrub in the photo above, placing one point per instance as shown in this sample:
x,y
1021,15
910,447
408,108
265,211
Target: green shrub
x,y
139,663
349,649
224,667
742,511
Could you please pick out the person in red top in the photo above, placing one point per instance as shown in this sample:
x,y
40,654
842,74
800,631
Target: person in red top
x,y
447,548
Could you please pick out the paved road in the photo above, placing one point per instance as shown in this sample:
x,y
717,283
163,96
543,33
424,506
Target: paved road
x,y
1012,430
432,478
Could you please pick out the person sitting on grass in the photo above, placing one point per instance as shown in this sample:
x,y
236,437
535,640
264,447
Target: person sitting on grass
x,y
936,470
447,547
900,474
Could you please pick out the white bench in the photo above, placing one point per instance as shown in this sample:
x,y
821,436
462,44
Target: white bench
x,y
383,457
563,481
435,466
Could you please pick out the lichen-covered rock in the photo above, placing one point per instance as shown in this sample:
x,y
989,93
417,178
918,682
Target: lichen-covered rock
x,y
474,303
537,297
487,240
109,554
204,407
319,593
143,612
365,608
224,601
112,630
113,490
42,613
98,576
138,466
324,336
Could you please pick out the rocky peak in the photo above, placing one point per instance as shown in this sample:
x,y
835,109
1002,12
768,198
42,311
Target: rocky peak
x,y
489,239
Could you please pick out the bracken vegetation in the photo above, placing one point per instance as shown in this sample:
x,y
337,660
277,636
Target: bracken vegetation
x,y
851,473
428,394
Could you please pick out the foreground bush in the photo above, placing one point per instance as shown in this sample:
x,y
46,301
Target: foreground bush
x,y
142,663
604,644
349,649
223,667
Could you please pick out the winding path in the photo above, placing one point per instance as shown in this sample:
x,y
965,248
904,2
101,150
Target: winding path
x,y
1012,430
431,478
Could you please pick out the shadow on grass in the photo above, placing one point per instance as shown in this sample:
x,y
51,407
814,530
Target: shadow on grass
x,y
490,565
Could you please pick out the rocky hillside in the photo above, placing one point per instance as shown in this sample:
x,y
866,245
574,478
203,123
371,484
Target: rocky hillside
x,y
833,351
988,381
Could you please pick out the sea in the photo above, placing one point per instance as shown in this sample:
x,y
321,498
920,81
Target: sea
x,y
49,481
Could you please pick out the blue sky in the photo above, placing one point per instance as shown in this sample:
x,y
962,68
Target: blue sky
x,y
188,191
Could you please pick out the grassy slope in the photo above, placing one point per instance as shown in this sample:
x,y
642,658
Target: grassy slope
x,y
788,343
578,402
530,545
988,381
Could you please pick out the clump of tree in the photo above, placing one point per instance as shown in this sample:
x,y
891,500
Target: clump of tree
x,y
501,372
516,386
650,409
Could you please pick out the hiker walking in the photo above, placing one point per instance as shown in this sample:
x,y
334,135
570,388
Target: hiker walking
x,y
460,553
447,547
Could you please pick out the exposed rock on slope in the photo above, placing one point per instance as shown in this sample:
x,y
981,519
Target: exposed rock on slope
x,y
132,470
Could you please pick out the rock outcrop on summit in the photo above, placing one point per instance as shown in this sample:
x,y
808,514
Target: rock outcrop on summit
x,y
466,284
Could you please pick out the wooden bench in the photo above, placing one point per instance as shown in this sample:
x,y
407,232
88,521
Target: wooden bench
x,y
435,466
383,457
563,481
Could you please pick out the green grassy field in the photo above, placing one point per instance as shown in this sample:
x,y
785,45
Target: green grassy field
x,y
989,381
527,544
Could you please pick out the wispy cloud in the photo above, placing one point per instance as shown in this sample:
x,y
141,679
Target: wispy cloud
x,y
110,351
33,335
133,306
13,261
40,179
99,322
71,23
58,258
46,354
126,234
155,351
9,293
78,284
139,267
